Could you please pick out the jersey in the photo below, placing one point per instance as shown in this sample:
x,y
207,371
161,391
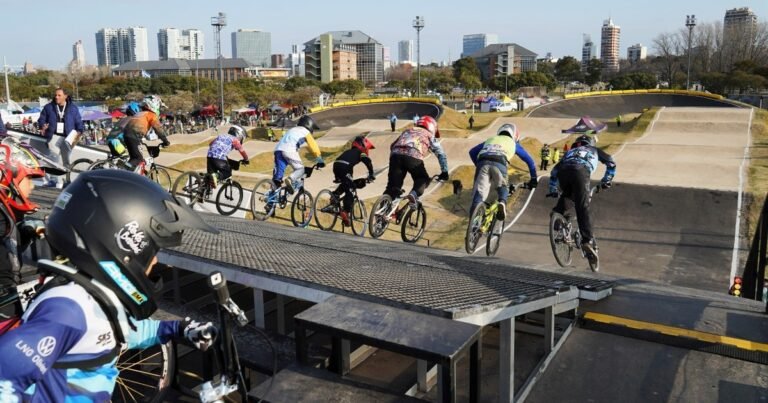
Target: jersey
x,y
501,149
296,137
348,159
139,125
418,142
587,157
220,147
64,324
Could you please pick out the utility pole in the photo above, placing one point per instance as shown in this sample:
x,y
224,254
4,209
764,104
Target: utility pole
x,y
218,23
418,24
690,22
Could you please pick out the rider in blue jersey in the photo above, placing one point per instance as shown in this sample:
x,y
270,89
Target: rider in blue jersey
x,y
110,224
572,175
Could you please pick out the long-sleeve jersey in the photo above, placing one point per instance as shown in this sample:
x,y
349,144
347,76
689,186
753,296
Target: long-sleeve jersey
x,y
418,142
501,149
585,156
65,324
220,147
139,125
348,159
294,138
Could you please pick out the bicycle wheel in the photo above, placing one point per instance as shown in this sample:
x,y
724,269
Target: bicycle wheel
x,y
494,237
189,188
301,209
414,222
77,167
160,176
358,219
558,239
102,164
145,375
263,200
326,209
474,229
229,198
378,220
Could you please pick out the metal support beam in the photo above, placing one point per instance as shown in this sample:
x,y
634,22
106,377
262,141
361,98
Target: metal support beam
x,y
258,309
507,361
280,301
549,329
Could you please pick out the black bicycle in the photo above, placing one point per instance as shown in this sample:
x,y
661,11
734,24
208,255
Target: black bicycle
x,y
151,170
564,236
193,187
328,207
266,197
411,217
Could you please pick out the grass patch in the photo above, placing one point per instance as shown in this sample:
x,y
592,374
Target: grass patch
x,y
757,173
455,124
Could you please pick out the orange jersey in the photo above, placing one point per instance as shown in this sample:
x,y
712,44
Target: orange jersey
x,y
140,124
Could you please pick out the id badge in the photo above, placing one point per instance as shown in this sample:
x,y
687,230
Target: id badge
x,y
60,128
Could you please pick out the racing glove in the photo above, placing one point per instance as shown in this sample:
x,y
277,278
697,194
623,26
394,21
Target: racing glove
x,y
370,178
606,182
320,163
246,162
166,143
443,176
200,335
533,183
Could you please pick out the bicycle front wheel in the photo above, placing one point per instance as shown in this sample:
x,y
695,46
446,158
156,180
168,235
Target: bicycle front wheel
x,y
77,167
263,200
414,222
494,237
161,177
378,220
301,209
229,198
189,188
326,209
558,239
145,375
103,164
474,229
358,219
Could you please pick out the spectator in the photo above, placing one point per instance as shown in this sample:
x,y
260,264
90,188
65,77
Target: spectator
x,y
471,121
57,120
555,156
415,119
618,120
393,120
544,157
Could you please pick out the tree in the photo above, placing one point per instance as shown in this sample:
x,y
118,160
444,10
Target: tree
x,y
334,88
546,67
304,95
352,87
401,72
568,69
181,101
668,48
466,73
594,72
296,82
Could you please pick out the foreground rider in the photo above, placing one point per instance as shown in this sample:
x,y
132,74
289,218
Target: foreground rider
x,y
110,224
138,126
491,160
342,172
287,152
407,157
572,175
219,149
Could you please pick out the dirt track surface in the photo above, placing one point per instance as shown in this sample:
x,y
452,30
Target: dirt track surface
x,y
609,106
349,115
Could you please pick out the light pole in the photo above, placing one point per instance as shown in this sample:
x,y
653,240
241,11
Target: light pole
x,y
218,23
690,22
418,23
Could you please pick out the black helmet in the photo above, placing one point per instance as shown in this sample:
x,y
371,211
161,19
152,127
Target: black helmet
x,y
307,122
111,223
583,140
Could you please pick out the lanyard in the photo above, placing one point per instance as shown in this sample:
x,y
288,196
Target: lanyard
x,y
60,111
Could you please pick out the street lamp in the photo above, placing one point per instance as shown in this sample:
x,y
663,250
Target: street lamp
x,y
418,23
218,23
690,22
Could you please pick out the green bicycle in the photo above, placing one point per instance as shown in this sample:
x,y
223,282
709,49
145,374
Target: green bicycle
x,y
483,221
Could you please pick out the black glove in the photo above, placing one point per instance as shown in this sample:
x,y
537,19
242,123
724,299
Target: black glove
x,y
246,162
166,143
370,178
533,183
605,184
443,176
554,194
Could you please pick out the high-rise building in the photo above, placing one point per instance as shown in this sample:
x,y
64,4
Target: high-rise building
x,y
474,42
78,54
405,51
115,46
386,58
369,59
278,60
636,53
180,44
609,46
588,52
739,33
168,43
296,62
252,45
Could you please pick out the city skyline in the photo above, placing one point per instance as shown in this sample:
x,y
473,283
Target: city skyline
x,y
538,29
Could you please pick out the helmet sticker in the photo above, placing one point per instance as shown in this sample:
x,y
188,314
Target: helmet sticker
x,y
131,238
62,201
114,272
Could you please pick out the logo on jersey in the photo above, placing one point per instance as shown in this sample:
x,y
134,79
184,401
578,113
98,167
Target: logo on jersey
x,y
131,238
126,285
45,346
62,201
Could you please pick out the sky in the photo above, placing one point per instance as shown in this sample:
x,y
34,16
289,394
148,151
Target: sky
x,y
43,32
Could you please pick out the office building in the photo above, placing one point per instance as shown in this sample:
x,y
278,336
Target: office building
x,y
405,52
504,59
588,52
252,45
609,46
185,44
475,42
739,34
296,62
233,69
368,59
115,46
78,54
278,60
636,53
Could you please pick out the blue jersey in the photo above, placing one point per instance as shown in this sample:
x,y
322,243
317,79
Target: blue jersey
x,y
65,324
587,157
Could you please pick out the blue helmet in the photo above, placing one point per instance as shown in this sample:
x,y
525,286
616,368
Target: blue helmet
x,y
132,108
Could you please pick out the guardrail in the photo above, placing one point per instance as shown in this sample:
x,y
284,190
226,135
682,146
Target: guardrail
x,y
375,101
649,91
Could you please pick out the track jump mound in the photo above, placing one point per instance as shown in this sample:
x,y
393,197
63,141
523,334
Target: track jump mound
x,y
349,115
609,106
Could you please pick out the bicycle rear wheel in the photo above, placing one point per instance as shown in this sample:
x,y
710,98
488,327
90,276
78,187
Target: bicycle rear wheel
x,y
301,209
474,229
326,209
77,167
145,375
494,237
558,239
103,164
161,177
358,219
229,197
413,224
189,188
263,200
378,220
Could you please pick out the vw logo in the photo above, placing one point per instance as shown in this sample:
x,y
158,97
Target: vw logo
x,y
45,346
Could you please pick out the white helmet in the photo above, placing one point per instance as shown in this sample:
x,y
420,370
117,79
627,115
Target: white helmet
x,y
152,103
509,129
238,132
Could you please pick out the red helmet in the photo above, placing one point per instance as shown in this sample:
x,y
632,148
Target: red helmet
x,y
363,144
17,163
429,123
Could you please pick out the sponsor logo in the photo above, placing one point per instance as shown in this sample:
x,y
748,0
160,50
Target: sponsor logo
x,y
104,339
131,238
126,285
62,201
46,345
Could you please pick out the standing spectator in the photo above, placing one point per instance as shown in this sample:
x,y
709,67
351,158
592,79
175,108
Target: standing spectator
x,y
57,119
618,120
393,120
544,157
270,133
555,155
471,121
